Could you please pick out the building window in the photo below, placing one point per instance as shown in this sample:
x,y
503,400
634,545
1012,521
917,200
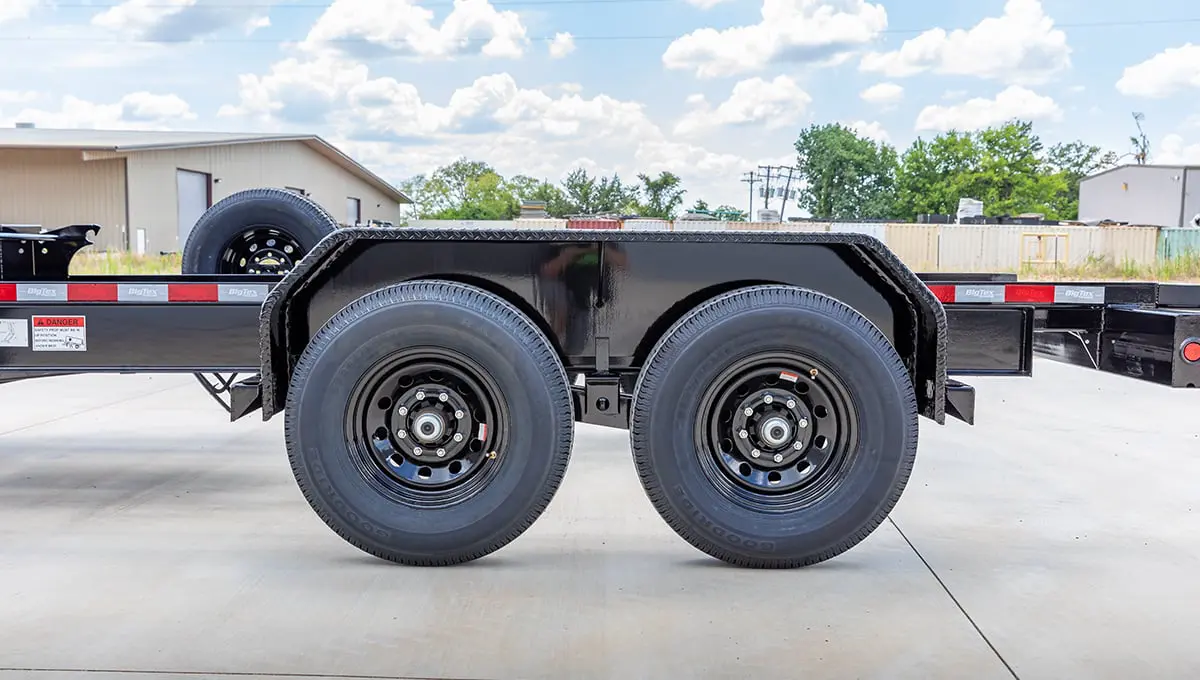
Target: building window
x,y
353,211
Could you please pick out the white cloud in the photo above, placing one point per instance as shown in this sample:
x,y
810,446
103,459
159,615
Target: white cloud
x,y
175,20
297,90
13,10
1170,71
365,28
562,45
705,4
883,94
255,23
1172,150
387,124
979,112
138,110
1021,46
872,130
771,103
17,97
792,31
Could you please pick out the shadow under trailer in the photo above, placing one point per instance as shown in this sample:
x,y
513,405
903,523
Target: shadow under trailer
x,y
430,379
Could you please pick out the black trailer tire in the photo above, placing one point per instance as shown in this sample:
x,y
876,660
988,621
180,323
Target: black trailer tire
x,y
385,363
758,511
257,231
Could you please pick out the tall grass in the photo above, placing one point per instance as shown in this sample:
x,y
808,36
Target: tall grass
x,y
1185,268
117,262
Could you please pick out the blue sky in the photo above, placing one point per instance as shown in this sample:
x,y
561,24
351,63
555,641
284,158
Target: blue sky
x,y
704,88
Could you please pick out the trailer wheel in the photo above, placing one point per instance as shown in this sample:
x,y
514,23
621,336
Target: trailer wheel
x,y
774,427
258,231
429,423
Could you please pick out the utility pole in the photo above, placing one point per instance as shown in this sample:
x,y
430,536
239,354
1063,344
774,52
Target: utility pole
x,y
767,189
751,179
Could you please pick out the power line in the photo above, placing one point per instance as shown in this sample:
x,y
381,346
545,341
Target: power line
x,y
1127,23
1116,23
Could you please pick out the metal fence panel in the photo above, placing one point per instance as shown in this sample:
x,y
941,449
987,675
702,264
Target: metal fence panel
x,y
1174,243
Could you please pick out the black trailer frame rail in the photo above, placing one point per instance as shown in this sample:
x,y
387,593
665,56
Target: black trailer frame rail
x,y
223,327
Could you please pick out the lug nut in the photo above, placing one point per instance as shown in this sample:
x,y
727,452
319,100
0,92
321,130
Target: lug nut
x,y
743,434
401,434
420,395
459,414
749,411
755,453
768,399
417,450
803,422
443,396
403,410
458,436
797,446
441,453
778,458
791,403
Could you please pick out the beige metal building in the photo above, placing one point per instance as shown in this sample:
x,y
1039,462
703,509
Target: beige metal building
x,y
147,189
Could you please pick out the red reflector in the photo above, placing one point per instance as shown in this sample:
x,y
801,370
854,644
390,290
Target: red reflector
x,y
192,292
943,293
1191,351
1028,293
92,292
8,292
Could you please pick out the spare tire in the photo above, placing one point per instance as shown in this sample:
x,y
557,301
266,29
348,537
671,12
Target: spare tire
x,y
258,231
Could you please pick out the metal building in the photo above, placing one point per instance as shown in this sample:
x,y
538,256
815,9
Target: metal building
x,y
147,189
1150,195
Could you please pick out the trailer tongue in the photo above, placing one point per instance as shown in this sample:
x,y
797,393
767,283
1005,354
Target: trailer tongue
x,y
431,378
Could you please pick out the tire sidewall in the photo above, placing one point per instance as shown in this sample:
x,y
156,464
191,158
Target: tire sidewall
x,y
536,422
881,458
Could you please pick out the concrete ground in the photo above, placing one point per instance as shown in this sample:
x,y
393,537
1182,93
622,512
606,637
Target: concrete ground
x,y
142,535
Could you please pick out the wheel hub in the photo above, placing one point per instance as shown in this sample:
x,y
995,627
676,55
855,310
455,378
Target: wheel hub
x,y
261,250
773,427
433,426
772,424
428,427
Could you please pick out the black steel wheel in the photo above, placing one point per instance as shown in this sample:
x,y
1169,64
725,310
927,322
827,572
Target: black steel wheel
x,y
774,427
258,231
429,423
260,249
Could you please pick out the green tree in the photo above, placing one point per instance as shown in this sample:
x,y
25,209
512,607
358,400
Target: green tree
x,y
1006,166
933,175
586,195
663,196
1074,161
526,188
845,175
730,213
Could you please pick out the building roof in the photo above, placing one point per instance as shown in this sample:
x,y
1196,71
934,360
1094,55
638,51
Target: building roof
x,y
128,141
1143,166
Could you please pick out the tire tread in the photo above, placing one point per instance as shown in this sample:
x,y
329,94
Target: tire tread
x,y
722,306
474,299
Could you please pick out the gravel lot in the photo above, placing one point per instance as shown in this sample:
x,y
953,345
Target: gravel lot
x,y
141,532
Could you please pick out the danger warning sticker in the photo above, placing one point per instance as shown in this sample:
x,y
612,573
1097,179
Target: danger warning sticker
x,y
59,334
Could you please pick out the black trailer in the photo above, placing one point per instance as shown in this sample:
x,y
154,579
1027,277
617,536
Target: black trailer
x,y
431,379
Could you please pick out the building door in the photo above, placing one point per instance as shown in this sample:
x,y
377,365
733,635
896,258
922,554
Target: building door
x,y
193,196
353,211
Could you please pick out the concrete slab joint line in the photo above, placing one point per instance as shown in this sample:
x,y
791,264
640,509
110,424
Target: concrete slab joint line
x,y
953,599
181,675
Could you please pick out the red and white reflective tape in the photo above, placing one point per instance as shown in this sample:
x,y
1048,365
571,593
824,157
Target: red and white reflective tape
x,y
1013,293
135,293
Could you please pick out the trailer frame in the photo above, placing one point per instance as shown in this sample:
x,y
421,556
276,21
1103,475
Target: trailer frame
x,y
606,307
